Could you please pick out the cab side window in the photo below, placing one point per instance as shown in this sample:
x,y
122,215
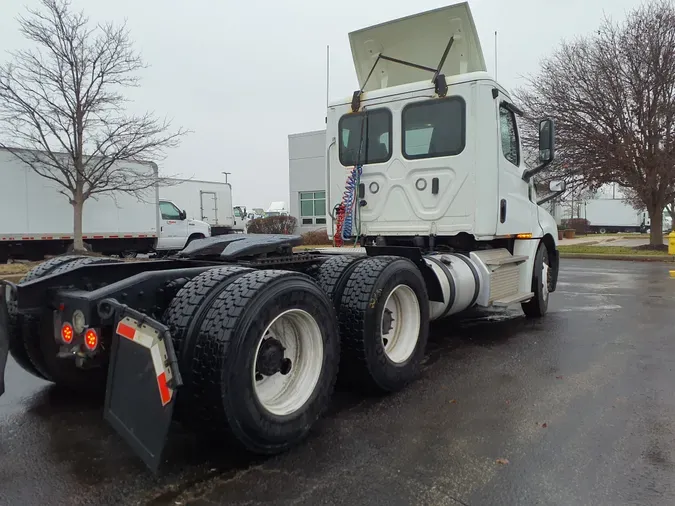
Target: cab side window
x,y
509,134
169,211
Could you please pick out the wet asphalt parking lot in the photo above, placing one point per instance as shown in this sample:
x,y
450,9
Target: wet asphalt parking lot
x,y
577,408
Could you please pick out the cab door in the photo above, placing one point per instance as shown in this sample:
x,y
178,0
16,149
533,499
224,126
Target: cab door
x,y
173,227
516,212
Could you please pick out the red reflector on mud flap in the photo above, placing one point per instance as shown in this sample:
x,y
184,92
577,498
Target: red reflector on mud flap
x,y
125,330
148,338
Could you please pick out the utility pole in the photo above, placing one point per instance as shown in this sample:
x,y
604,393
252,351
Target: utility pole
x,y
226,174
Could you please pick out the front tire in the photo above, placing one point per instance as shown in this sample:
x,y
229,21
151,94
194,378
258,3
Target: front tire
x,y
265,361
541,285
384,324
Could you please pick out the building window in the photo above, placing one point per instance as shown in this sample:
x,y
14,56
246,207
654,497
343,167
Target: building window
x,y
313,208
509,133
371,140
434,128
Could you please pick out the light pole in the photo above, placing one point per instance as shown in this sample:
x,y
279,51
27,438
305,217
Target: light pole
x,y
226,174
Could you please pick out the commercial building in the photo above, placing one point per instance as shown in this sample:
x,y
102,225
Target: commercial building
x,y
307,179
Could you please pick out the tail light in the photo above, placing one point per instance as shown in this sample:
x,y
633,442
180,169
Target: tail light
x,y
67,333
91,339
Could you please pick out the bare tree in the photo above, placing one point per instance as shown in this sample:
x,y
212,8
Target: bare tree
x,y
62,111
612,95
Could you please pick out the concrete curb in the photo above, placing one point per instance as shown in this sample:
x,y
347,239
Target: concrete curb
x,y
629,258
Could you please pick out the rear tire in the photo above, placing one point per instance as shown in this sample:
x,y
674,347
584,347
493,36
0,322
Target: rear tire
x,y
384,324
333,274
17,346
541,285
42,348
185,315
231,364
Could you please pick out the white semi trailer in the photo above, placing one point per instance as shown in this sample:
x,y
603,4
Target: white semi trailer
x,y
244,336
38,219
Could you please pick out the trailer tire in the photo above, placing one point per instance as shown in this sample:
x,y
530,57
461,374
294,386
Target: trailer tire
x,y
265,413
369,360
17,347
333,274
185,315
537,306
42,348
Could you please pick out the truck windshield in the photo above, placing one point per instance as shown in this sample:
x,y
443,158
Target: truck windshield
x,y
365,137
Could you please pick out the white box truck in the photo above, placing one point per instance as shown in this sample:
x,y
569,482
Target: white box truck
x,y
252,332
208,201
607,215
38,219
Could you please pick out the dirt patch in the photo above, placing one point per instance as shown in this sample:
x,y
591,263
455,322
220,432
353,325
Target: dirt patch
x,y
17,268
650,247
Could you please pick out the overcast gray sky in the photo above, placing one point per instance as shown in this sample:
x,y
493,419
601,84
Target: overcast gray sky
x,y
243,75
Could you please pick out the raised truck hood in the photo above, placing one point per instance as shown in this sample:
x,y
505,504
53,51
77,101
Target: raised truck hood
x,y
420,39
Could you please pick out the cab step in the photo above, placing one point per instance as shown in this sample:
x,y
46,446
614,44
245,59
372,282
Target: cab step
x,y
499,257
513,299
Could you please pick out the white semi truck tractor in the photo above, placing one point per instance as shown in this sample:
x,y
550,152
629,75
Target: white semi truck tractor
x,y
240,337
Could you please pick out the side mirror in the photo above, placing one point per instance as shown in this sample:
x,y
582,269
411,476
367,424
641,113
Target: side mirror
x,y
557,186
182,215
546,141
546,148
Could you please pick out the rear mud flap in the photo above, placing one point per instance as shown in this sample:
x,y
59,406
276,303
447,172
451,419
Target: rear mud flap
x,y
143,378
5,287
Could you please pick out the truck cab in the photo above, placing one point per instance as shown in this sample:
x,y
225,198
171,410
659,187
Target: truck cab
x,y
428,152
240,219
177,230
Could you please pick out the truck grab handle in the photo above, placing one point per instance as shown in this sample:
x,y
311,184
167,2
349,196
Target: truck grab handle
x,y
328,177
